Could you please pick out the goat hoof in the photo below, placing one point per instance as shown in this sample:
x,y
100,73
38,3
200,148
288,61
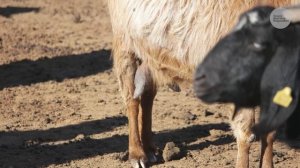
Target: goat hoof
x,y
138,163
151,157
252,138
138,158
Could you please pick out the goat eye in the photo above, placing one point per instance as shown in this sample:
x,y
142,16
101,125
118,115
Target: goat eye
x,y
258,46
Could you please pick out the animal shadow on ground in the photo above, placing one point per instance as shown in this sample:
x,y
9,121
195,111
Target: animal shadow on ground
x,y
40,148
281,136
10,10
28,72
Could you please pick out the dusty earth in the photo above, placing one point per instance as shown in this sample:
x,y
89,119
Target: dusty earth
x,y
59,100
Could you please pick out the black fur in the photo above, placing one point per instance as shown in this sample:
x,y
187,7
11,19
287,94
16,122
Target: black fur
x,y
249,65
282,71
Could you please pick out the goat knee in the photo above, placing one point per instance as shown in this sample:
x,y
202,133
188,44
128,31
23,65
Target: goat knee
x,y
242,124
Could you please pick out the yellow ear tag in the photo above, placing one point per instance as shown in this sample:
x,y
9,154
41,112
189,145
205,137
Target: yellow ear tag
x,y
283,97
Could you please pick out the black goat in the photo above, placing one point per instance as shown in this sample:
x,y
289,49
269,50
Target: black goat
x,y
257,64
251,64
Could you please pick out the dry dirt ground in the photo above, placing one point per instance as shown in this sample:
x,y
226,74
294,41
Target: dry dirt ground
x,y
59,100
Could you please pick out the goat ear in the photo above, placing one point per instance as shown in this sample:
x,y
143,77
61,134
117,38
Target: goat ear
x,y
243,21
282,72
259,15
247,19
292,14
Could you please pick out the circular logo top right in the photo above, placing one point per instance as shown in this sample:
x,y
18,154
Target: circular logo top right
x,y
278,20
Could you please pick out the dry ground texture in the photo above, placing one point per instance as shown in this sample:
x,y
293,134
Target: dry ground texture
x,y
59,100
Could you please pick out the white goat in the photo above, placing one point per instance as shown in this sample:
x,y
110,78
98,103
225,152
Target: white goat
x,y
160,42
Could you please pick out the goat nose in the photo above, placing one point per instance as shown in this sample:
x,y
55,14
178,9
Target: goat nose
x,y
204,80
200,76
200,82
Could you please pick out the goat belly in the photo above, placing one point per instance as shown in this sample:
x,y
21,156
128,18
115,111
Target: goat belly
x,y
174,36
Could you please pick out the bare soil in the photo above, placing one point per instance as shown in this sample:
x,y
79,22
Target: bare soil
x,y
59,100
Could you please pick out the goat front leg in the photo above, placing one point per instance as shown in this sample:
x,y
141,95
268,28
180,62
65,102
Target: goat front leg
x,y
242,123
125,67
266,155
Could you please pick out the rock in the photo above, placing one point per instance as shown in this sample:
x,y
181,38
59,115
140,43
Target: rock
x,y
208,113
171,152
77,18
216,133
190,116
122,156
101,101
79,137
218,115
174,87
187,116
1,43
32,142
48,120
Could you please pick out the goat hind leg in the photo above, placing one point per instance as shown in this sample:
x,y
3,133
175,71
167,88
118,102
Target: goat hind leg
x,y
125,67
145,116
266,158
